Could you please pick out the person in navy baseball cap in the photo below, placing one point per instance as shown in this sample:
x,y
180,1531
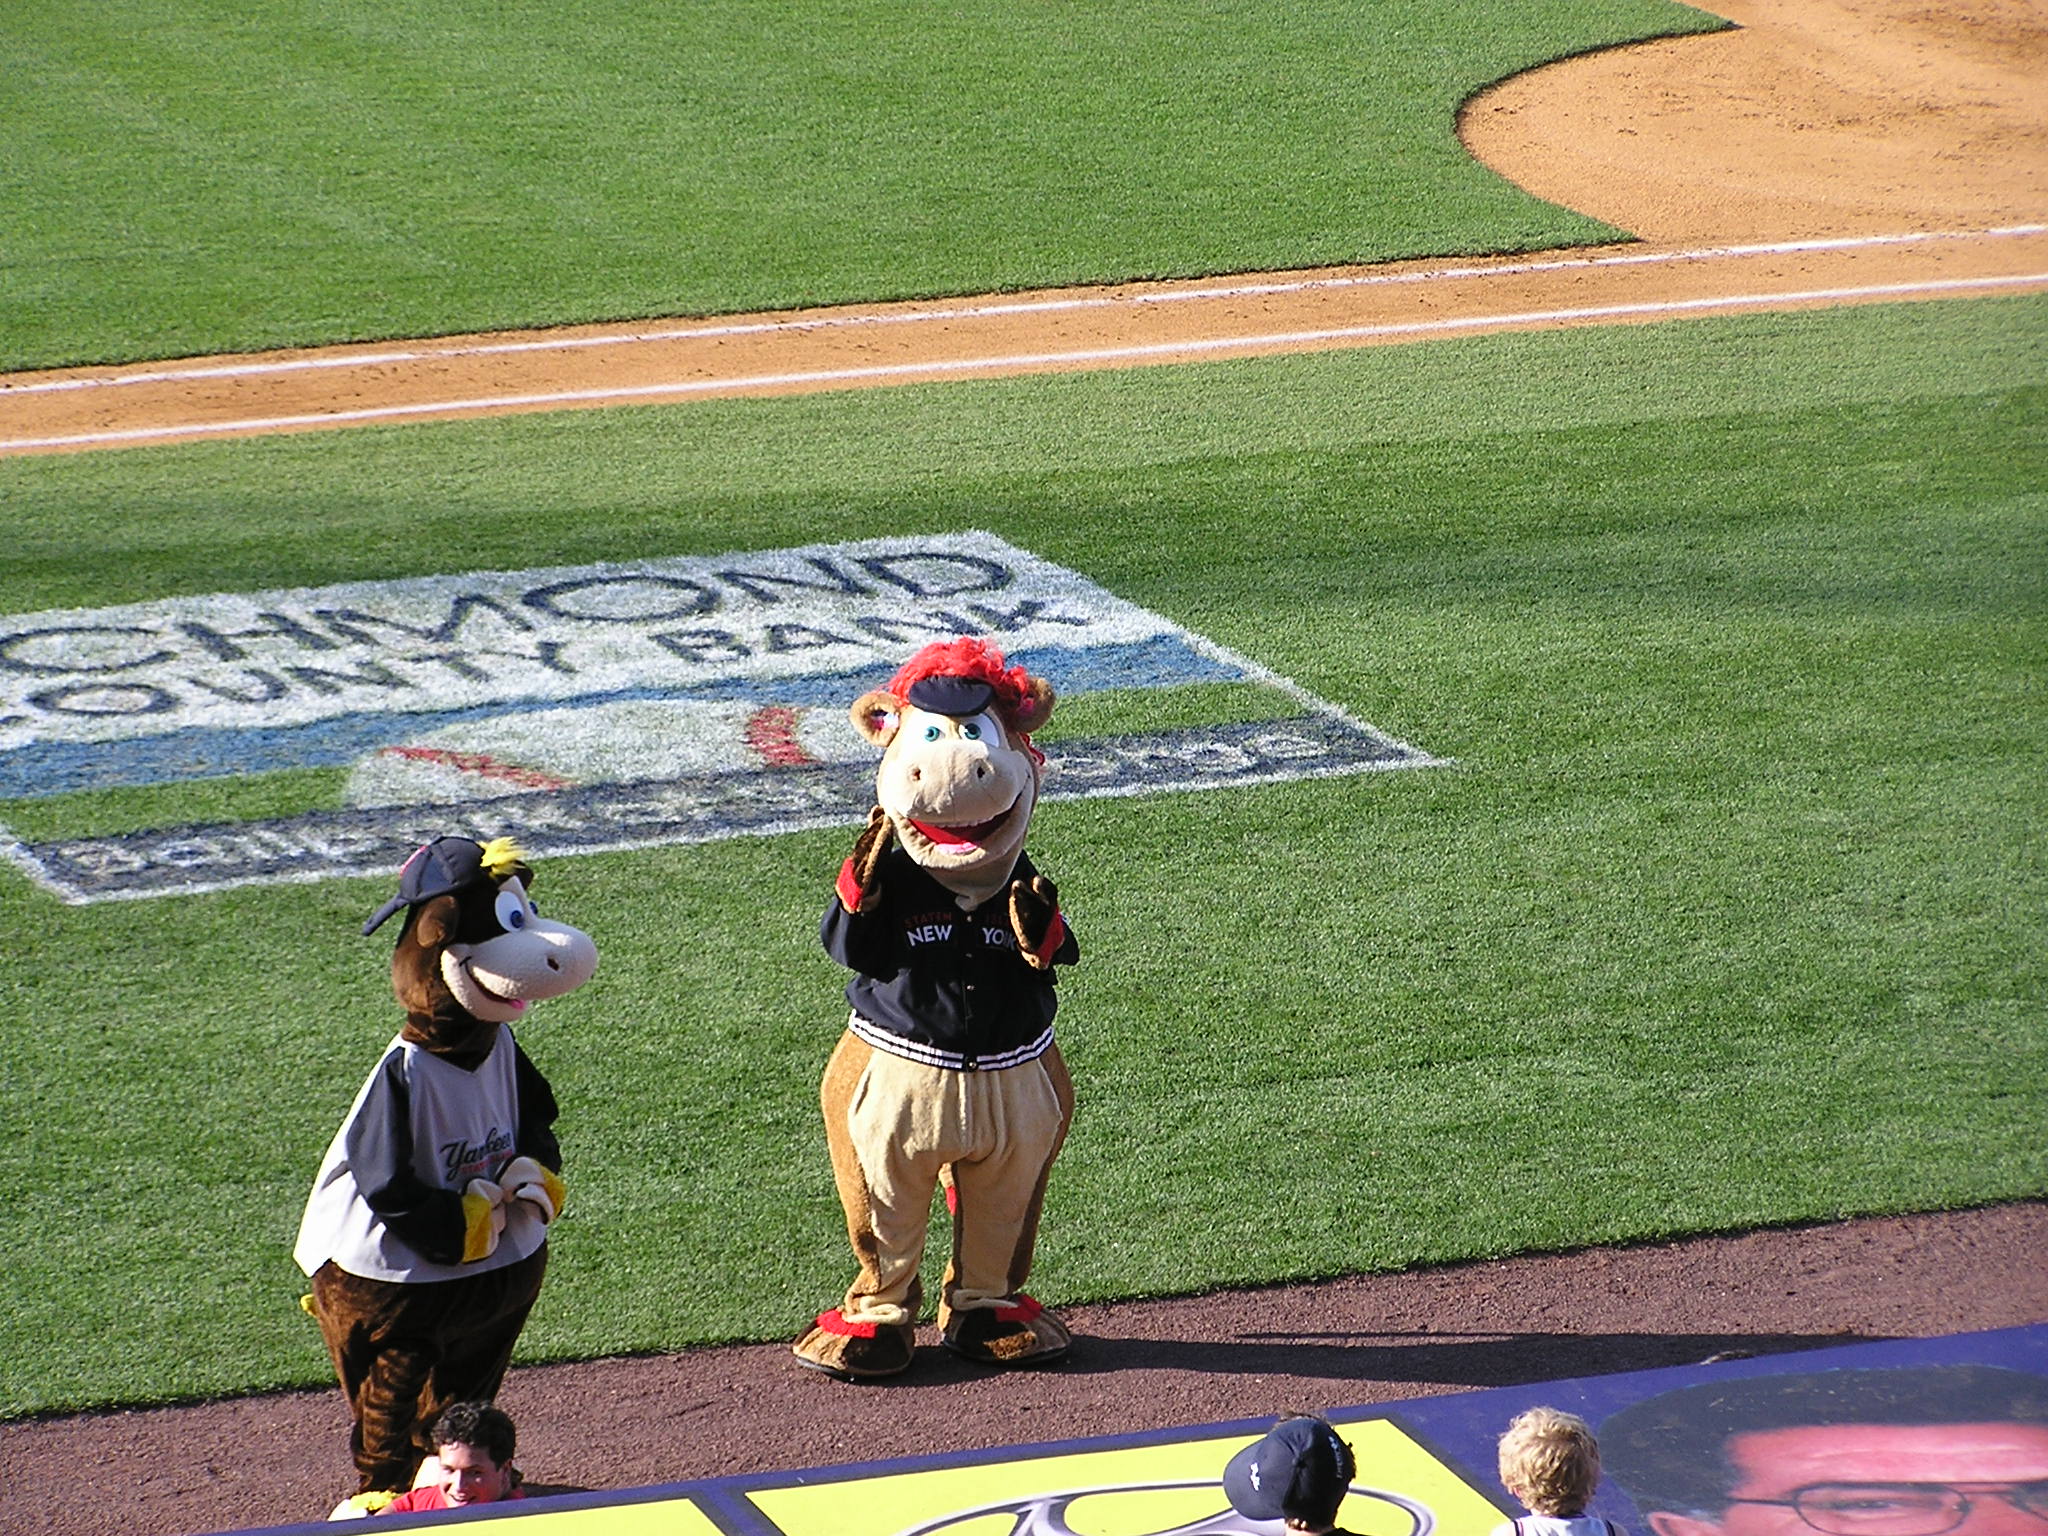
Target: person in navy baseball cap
x,y
1298,1473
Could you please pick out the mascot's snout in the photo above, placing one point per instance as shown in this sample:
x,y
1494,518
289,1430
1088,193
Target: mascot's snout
x,y
530,960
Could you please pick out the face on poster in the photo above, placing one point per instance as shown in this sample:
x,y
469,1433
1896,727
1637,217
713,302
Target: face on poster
x,y
1918,1437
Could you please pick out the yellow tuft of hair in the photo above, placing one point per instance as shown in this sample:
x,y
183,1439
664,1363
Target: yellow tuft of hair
x,y
501,856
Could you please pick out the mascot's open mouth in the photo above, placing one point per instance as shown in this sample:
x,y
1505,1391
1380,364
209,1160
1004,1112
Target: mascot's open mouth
x,y
971,835
516,1004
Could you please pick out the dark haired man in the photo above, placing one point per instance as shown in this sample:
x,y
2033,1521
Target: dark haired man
x,y
1944,1450
473,1442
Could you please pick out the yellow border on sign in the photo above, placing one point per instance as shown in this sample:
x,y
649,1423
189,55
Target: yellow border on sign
x,y
1117,1495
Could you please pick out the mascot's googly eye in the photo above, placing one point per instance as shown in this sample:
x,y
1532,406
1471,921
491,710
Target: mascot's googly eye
x,y
513,910
981,727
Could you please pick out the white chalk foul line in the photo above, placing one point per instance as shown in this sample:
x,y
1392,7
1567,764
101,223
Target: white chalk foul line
x,y
1278,340
1225,292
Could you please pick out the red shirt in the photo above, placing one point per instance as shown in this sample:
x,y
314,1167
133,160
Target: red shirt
x,y
431,1497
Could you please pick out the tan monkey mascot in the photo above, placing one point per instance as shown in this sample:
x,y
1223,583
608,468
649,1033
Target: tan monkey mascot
x,y
426,1231
947,1068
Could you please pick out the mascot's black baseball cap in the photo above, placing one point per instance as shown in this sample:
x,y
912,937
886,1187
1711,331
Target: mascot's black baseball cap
x,y
950,695
1299,1471
446,864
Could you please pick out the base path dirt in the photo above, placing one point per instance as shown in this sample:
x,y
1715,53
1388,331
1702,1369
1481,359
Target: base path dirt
x,y
1829,151
1825,152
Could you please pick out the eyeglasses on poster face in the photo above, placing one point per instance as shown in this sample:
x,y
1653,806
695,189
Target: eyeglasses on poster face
x,y
1902,1509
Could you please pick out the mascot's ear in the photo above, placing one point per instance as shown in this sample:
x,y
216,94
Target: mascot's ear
x,y
1031,711
874,715
434,925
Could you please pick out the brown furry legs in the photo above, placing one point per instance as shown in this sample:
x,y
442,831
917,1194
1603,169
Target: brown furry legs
x,y
849,1341
404,1352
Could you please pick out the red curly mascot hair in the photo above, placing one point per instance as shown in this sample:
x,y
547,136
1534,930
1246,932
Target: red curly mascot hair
x,y
1021,699
965,657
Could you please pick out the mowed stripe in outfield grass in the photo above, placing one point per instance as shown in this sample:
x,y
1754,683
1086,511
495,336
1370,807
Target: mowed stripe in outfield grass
x,y
1728,913
195,178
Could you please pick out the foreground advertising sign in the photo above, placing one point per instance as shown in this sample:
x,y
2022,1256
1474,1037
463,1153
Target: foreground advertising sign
x,y
1905,1437
584,708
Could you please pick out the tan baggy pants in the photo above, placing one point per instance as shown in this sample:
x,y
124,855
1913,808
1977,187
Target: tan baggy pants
x,y
893,1125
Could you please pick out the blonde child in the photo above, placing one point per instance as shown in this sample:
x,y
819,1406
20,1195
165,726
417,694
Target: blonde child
x,y
1550,1462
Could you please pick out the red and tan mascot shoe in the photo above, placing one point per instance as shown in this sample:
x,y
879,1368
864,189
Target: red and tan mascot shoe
x,y
947,1069
426,1231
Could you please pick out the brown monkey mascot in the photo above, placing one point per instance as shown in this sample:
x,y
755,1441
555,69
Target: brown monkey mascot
x,y
426,1231
947,1069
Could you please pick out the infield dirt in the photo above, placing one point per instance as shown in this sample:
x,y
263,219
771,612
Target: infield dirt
x,y
1827,151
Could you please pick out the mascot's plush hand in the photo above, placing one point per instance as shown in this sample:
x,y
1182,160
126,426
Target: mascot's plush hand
x,y
858,888
525,1179
1035,919
483,1209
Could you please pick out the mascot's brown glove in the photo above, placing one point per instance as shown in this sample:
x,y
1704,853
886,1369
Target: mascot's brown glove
x,y
859,890
1035,919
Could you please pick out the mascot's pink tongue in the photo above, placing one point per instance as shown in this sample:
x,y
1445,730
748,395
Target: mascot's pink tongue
x,y
518,1003
958,837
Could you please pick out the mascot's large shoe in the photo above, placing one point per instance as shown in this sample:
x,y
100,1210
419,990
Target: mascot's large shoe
x,y
947,1067
1023,1334
855,1351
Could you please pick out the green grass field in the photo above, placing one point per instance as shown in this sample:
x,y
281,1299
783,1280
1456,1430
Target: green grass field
x,y
1728,913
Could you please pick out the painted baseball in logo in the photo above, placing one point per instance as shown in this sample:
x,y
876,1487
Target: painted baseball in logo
x,y
628,742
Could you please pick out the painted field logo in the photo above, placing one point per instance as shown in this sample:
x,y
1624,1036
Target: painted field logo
x,y
579,709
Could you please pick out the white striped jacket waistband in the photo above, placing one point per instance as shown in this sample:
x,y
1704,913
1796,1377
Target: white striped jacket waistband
x,y
953,1061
